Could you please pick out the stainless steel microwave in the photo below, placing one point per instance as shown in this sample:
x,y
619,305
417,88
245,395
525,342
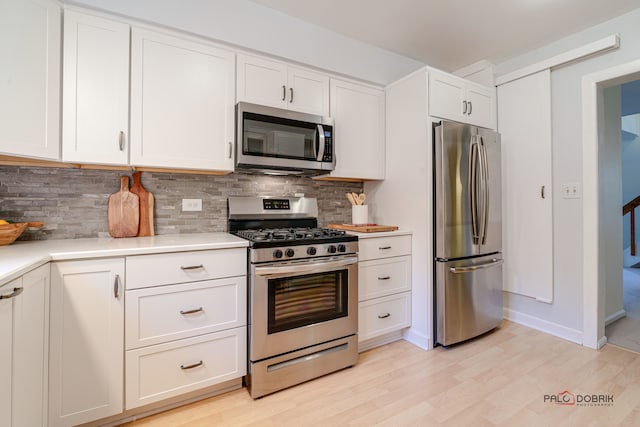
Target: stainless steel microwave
x,y
276,141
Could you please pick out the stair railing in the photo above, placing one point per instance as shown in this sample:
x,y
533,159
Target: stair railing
x,y
630,208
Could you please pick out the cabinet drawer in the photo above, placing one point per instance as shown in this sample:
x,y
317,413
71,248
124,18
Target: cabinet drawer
x,y
180,267
377,278
384,247
157,315
166,370
383,315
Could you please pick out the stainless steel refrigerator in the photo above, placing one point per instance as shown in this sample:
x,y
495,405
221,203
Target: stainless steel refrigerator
x,y
467,231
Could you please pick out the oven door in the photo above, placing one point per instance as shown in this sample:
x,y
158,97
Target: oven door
x,y
297,304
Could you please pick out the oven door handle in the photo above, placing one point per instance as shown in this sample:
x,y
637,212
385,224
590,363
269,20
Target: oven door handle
x,y
288,269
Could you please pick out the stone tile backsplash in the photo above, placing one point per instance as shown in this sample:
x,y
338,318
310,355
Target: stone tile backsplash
x,y
73,202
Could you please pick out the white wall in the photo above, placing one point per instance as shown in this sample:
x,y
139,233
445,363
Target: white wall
x,y
246,24
566,104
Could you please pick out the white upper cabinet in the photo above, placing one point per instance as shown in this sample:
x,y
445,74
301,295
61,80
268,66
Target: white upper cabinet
x,y
454,98
268,82
95,109
182,103
359,114
30,78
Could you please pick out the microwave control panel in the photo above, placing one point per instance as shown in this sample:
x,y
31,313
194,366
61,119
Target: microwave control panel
x,y
328,146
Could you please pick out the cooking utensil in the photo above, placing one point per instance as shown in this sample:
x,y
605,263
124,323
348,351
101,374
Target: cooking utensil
x,y
351,199
361,198
123,212
146,201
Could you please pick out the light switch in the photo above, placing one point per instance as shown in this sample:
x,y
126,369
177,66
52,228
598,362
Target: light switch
x,y
571,190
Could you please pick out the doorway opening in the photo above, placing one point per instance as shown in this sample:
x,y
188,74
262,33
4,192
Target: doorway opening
x,y
597,262
622,321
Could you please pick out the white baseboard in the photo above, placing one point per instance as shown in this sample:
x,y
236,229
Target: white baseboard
x,y
418,339
378,341
601,342
542,325
615,316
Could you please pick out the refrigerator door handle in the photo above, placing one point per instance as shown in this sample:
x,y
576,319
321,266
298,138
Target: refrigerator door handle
x,y
484,173
473,189
458,270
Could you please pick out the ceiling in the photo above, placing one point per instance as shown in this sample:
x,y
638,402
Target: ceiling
x,y
452,34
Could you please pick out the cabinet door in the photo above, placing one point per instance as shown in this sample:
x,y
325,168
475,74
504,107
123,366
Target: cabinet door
x,y
87,341
308,91
95,119
524,117
31,349
6,355
446,96
262,81
358,111
481,106
30,78
182,103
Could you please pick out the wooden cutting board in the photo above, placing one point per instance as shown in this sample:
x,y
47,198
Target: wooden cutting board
x,y
146,206
123,212
364,228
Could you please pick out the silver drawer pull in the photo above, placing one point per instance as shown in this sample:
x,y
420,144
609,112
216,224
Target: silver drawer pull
x,y
15,293
194,365
195,310
384,277
382,248
384,316
191,267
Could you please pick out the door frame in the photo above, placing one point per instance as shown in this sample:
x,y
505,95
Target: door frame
x,y
592,126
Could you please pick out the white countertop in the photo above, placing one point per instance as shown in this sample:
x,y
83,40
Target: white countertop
x,y
21,257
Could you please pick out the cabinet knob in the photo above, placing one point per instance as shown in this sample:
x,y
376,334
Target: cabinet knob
x,y
384,316
291,97
464,107
284,92
470,108
116,286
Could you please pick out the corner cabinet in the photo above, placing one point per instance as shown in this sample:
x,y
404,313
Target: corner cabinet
x,y
24,330
359,114
30,78
95,99
384,288
454,98
182,103
86,341
268,82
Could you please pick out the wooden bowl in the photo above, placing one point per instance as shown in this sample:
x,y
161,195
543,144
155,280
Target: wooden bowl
x,y
10,232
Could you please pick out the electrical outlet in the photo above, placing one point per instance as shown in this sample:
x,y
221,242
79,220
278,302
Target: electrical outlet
x,y
571,190
191,205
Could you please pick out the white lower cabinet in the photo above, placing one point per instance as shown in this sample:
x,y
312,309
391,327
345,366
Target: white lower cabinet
x,y
384,288
188,334
24,331
166,370
87,340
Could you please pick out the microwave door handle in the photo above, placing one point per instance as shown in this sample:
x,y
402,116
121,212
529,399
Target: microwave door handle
x,y
320,151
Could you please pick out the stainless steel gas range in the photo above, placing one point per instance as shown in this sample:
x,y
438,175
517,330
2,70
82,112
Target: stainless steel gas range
x,y
303,292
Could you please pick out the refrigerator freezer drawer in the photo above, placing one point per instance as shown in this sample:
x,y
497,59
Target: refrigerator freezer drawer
x,y
468,298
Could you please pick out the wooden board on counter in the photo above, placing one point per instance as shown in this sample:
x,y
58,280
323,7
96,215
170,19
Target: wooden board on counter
x,y
364,228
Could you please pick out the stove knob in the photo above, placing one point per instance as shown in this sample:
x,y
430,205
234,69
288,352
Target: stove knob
x,y
332,249
277,253
342,248
311,250
289,252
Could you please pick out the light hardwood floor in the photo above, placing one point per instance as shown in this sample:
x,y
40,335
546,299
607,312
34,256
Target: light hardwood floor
x,y
500,379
